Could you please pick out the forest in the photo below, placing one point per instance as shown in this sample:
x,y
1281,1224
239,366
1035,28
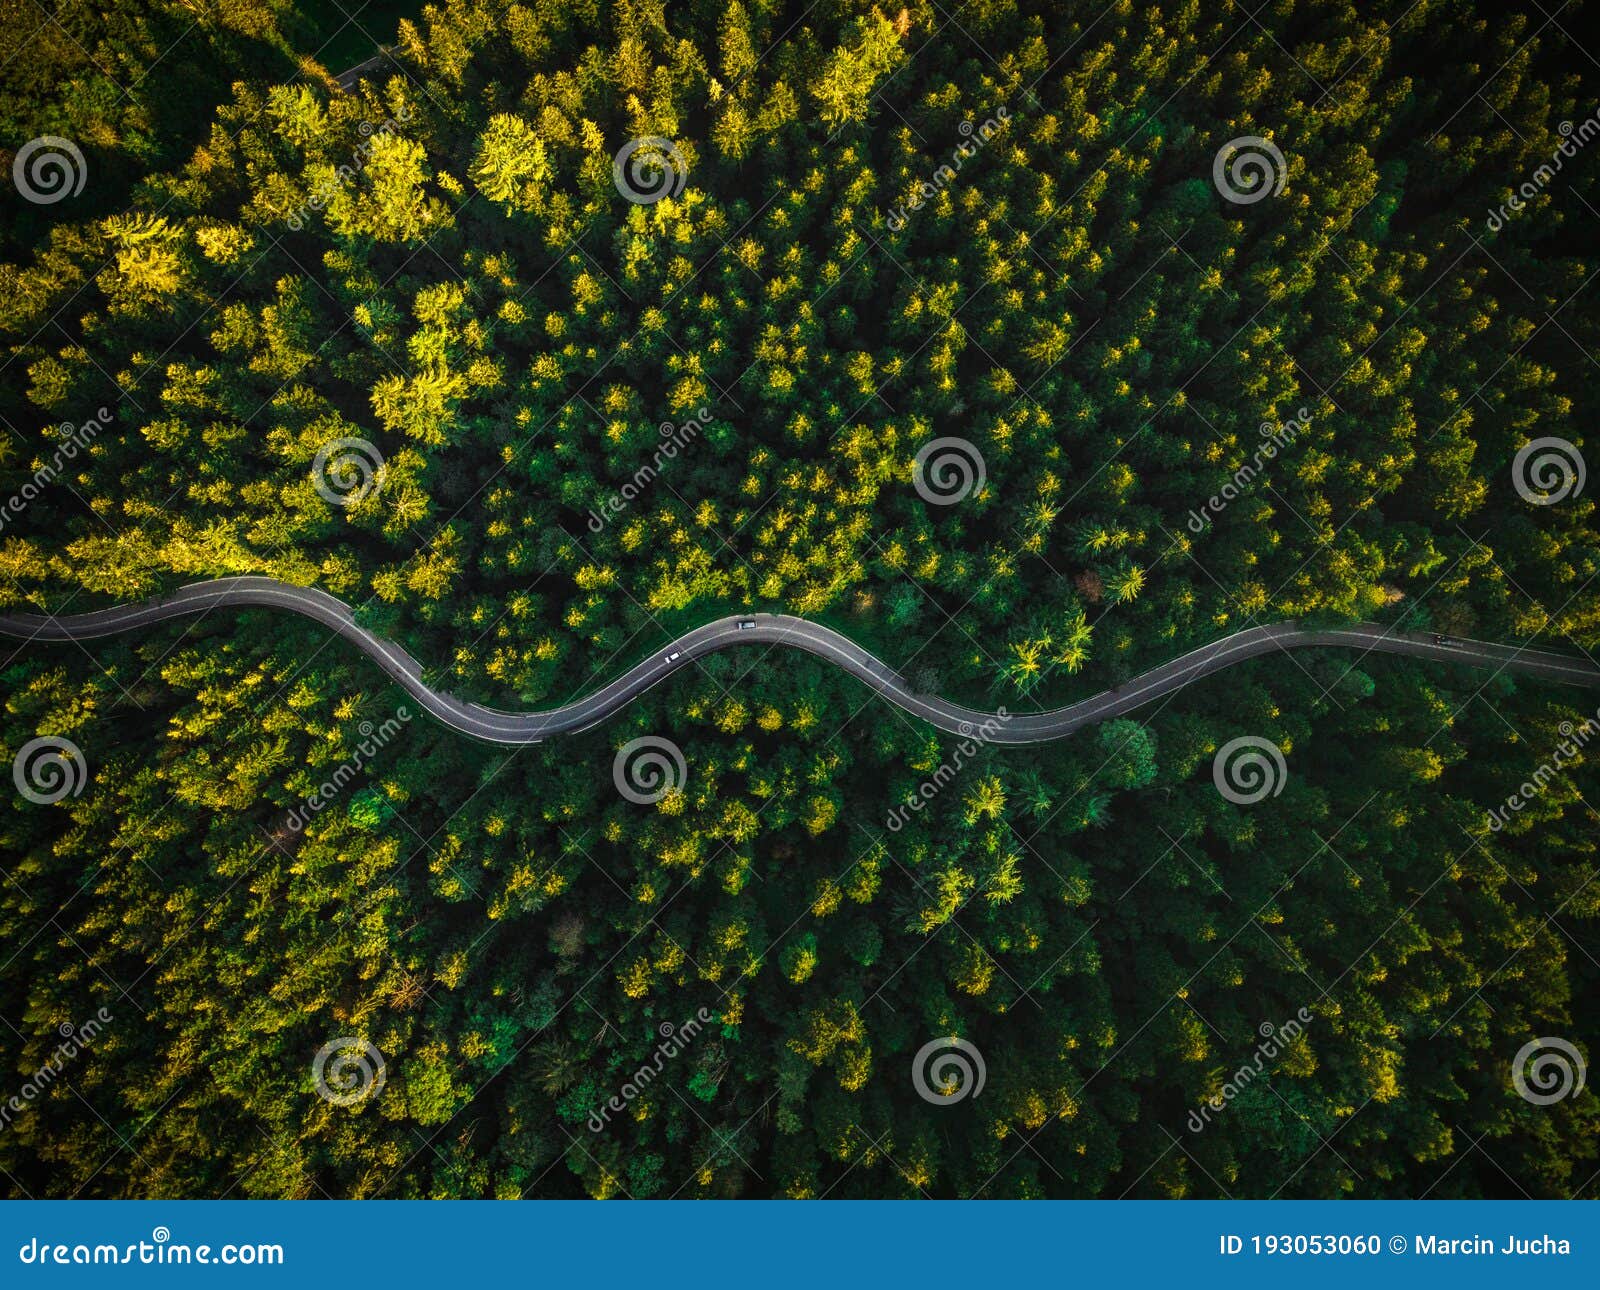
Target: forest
x,y
1028,344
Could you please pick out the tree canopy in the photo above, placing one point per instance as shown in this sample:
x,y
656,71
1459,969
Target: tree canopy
x,y
576,325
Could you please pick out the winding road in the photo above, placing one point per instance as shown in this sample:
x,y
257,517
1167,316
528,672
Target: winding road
x,y
796,633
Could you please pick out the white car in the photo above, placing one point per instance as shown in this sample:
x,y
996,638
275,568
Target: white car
x,y
673,657
745,624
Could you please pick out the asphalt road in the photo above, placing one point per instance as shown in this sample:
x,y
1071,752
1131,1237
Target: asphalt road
x,y
796,633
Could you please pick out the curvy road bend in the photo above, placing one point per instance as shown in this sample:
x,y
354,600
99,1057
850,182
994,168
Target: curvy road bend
x,y
797,633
